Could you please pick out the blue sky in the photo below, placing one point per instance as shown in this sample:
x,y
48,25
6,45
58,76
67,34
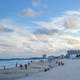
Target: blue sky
x,y
27,26
48,8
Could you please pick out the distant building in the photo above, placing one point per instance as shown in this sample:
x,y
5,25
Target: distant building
x,y
44,56
51,58
72,53
61,56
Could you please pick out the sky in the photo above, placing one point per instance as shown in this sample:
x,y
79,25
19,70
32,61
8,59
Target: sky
x,y
36,27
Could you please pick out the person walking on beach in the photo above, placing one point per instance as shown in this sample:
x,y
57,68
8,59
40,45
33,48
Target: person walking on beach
x,y
21,66
25,66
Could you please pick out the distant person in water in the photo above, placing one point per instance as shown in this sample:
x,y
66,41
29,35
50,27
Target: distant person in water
x,y
28,64
31,61
4,67
16,65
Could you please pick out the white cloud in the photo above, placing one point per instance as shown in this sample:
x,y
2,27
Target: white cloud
x,y
66,25
30,12
13,42
73,13
51,37
70,21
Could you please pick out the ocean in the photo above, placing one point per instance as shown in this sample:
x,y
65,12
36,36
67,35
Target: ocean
x,y
12,63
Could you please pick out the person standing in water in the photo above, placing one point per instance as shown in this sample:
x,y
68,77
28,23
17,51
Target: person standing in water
x,y
16,65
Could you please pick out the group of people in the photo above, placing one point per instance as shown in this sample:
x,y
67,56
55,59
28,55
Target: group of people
x,y
21,66
60,63
25,66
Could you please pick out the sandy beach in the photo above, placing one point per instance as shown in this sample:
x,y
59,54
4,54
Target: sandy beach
x,y
70,71
34,67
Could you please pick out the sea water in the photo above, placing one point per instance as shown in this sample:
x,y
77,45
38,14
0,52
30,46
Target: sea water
x,y
12,63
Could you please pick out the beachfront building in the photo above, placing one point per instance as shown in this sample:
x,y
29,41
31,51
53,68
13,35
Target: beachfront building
x,y
73,54
51,58
44,56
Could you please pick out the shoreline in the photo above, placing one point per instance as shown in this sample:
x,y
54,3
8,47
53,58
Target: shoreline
x,y
32,68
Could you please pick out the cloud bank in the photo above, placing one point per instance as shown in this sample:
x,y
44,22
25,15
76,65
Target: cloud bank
x,y
57,34
30,12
